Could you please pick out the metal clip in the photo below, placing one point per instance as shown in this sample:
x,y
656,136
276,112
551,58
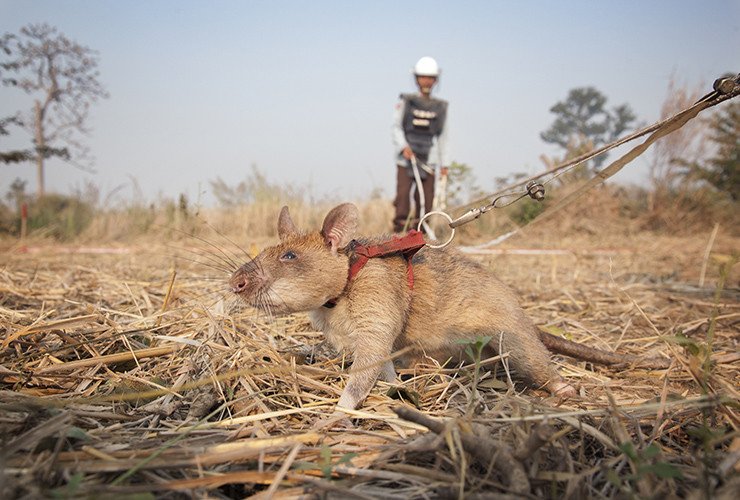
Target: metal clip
x,y
724,85
536,191
471,214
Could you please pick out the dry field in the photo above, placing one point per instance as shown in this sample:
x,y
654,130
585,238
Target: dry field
x,y
127,372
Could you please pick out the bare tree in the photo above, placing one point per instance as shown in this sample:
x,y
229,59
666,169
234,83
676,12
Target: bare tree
x,y
62,78
667,176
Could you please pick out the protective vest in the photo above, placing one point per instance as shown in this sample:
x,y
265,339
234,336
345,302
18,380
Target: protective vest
x,y
423,119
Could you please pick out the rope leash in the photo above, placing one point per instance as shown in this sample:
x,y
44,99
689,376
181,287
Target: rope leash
x,y
415,164
723,89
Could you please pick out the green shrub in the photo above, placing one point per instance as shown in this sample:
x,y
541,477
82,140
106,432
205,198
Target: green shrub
x,y
526,210
59,216
8,222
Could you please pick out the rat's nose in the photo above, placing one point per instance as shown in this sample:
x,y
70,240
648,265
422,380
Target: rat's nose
x,y
239,283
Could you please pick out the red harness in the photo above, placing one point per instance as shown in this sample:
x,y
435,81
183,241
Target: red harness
x,y
406,245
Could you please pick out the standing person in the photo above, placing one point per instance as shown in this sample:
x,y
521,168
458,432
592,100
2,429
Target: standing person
x,y
419,133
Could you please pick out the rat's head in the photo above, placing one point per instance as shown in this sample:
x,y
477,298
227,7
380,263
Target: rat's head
x,y
304,270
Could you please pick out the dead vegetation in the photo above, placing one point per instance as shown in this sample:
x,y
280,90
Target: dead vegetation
x,y
125,371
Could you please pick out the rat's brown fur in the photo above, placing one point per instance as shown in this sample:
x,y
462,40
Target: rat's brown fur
x,y
377,313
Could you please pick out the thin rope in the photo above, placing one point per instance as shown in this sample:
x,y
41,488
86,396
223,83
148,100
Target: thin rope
x,y
724,89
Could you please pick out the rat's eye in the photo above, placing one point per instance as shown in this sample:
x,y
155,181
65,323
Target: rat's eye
x,y
289,255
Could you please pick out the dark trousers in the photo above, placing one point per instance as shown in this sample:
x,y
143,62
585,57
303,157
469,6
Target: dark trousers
x,y
402,202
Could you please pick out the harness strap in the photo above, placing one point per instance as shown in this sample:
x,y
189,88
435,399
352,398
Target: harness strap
x,y
407,245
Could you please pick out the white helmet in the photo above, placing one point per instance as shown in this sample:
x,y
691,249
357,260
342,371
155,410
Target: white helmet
x,y
426,66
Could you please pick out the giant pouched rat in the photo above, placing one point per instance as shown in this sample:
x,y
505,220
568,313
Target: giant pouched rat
x,y
380,310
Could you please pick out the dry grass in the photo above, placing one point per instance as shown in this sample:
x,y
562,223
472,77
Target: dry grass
x,y
118,380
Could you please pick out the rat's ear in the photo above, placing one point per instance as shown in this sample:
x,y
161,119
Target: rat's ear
x,y
340,226
285,224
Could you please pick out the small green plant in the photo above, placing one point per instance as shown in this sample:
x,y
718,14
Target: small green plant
x,y
645,463
69,490
700,353
325,464
700,361
77,434
474,350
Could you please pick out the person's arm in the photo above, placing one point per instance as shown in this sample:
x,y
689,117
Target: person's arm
x,y
401,147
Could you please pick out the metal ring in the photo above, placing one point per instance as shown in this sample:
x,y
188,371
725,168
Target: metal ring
x,y
449,220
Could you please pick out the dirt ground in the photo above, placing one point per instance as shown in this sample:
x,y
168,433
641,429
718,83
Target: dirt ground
x,y
126,370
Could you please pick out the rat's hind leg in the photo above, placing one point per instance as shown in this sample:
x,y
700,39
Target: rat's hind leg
x,y
530,358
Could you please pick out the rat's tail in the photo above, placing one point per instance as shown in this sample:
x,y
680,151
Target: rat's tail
x,y
585,353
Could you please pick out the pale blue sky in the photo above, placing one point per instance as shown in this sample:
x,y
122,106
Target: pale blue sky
x,y
305,90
